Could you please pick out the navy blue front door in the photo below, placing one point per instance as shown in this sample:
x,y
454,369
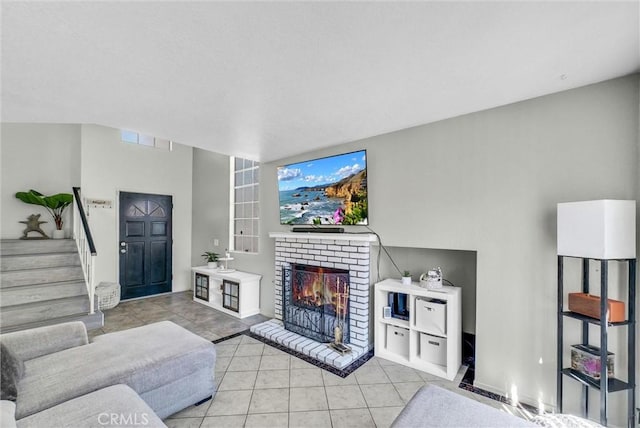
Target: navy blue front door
x,y
145,244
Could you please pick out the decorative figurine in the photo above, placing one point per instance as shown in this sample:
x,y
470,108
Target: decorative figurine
x,y
33,225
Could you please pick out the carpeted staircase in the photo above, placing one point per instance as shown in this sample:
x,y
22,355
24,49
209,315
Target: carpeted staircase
x,y
41,283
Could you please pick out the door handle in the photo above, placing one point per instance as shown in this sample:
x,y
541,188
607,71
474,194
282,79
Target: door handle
x,y
123,247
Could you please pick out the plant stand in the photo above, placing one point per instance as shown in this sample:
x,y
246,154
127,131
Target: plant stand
x,y
226,269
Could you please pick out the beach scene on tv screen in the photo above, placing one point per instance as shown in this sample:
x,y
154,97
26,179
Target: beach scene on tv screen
x,y
330,190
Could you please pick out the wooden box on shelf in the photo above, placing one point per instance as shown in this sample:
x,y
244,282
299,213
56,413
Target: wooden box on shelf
x,y
589,305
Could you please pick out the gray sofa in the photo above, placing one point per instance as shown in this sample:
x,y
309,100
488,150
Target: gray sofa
x,y
433,406
165,369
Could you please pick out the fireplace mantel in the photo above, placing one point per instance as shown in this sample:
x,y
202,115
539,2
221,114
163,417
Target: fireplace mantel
x,y
366,237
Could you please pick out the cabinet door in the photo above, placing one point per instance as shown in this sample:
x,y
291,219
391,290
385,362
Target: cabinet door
x,y
231,295
202,286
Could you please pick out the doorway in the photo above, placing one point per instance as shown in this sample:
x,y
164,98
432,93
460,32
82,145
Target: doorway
x,y
145,244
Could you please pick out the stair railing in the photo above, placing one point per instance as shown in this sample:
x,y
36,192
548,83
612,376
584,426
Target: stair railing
x,y
86,247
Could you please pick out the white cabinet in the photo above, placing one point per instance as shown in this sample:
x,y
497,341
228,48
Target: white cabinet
x,y
435,336
235,293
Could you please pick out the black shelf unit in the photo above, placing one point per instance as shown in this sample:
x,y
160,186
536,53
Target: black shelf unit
x,y
605,385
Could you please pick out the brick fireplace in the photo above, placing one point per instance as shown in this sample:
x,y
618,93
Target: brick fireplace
x,y
345,257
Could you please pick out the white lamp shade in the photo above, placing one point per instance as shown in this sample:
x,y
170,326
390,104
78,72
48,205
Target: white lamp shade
x,y
602,229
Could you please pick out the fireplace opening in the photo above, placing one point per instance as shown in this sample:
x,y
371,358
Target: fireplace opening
x,y
316,301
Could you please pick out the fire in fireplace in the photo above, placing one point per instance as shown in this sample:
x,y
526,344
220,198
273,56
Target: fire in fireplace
x,y
315,301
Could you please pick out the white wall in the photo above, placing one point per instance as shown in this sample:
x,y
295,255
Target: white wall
x,y
41,157
110,166
493,180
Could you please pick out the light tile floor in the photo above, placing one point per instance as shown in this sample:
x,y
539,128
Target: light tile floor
x,y
261,386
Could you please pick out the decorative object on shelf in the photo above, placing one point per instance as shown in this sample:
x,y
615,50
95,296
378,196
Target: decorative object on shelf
x,y
386,312
432,280
227,257
406,278
586,360
589,305
211,258
399,303
55,204
33,225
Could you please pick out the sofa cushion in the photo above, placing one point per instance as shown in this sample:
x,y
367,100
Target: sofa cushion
x,y
144,358
116,405
11,370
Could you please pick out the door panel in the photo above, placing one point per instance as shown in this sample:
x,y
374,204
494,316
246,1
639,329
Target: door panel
x,y
158,262
134,229
145,244
134,264
158,228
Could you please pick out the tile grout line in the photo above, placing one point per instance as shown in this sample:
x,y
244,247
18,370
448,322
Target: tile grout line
x,y
246,416
365,398
326,397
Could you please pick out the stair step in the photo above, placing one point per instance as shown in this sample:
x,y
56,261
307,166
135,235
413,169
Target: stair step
x,y
40,276
10,247
43,311
41,292
38,261
91,321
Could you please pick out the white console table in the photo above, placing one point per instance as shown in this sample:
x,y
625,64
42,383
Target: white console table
x,y
410,353
235,293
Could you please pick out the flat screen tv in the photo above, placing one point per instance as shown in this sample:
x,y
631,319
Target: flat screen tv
x,y
331,190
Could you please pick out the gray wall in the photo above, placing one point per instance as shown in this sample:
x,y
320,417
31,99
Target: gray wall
x,y
489,182
210,214
43,157
110,166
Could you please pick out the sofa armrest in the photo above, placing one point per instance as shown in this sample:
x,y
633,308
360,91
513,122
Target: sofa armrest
x,y
436,407
7,414
29,344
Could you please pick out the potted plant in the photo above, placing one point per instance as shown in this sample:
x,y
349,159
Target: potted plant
x,y
406,278
55,204
211,258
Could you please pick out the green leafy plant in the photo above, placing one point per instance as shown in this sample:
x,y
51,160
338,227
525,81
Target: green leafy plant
x,y
55,204
210,256
359,209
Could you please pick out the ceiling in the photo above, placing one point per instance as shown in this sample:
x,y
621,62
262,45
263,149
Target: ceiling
x,y
268,80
